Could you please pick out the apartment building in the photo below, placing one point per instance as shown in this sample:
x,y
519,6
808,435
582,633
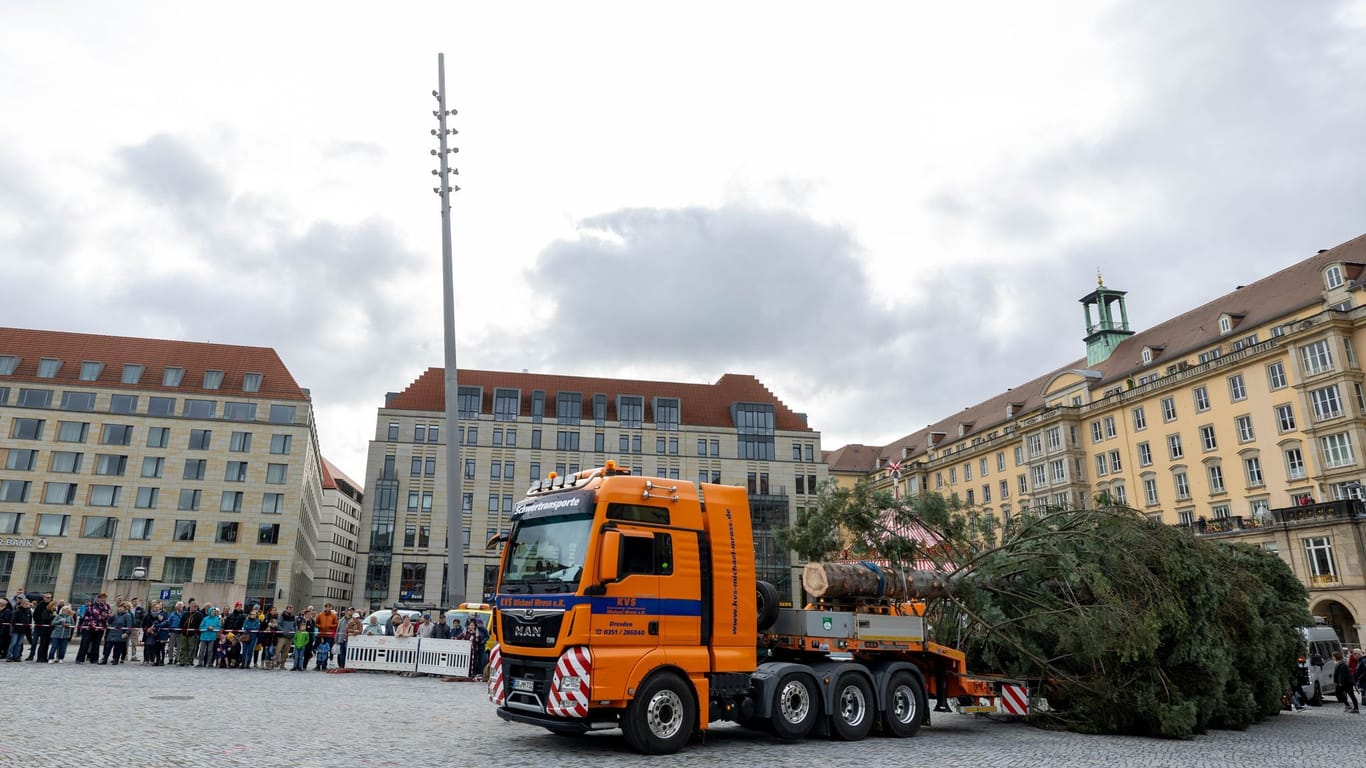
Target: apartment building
x,y
1237,415
338,539
518,427
178,462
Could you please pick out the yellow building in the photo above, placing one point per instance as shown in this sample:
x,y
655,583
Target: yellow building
x,y
1243,418
169,463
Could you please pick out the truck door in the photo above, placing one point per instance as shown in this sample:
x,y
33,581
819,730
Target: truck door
x,y
680,585
628,613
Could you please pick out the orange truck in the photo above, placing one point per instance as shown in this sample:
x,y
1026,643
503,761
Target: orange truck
x,y
631,602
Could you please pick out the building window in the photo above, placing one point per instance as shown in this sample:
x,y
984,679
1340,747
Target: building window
x,y
1095,437
1201,399
147,498
239,411
78,401
1140,420
280,444
160,406
98,527
1326,403
1294,464
200,439
1337,450
1207,440
189,500
220,571
240,442
1244,424
59,493
184,530
116,434
110,465
507,404
1150,490
1316,358
227,533
199,409
1174,447
141,528
194,469
1285,417
1216,478
1318,552
158,437
1145,455
66,462
251,382
268,533
667,414
1253,466
1182,483
568,408
153,466
1114,462
631,411
178,570
122,404
231,501
272,503
1110,427
1332,277
1102,466
48,368
1275,374
393,431
1168,409
283,414
1237,390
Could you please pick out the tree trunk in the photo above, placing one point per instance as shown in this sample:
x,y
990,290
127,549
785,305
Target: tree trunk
x,y
831,580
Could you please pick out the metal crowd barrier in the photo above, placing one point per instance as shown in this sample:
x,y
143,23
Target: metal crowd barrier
x,y
381,653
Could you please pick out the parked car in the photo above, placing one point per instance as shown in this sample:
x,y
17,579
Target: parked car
x,y
1317,665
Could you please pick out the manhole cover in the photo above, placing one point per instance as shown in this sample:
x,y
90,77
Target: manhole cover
x,y
170,698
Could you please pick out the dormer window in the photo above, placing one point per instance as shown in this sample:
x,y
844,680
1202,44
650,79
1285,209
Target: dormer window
x,y
8,363
48,367
1225,324
251,382
1332,277
172,377
132,373
213,379
1147,355
91,370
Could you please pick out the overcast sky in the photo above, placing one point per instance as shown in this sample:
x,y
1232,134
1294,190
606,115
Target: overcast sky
x,y
885,211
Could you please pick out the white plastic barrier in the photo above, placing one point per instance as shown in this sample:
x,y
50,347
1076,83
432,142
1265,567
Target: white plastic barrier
x,y
449,658
381,653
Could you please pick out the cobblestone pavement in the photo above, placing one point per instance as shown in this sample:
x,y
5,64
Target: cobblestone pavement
x,y
132,716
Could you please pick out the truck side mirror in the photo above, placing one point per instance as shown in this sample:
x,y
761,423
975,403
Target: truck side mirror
x,y
609,562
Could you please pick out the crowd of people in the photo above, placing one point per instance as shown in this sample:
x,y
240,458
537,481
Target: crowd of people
x,y
189,634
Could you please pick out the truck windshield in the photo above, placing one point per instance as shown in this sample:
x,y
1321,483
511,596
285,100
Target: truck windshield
x,y
547,553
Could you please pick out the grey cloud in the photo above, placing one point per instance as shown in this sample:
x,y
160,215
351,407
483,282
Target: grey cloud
x,y
167,171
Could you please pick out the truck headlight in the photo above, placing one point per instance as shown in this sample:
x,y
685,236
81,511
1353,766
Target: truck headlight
x,y
570,683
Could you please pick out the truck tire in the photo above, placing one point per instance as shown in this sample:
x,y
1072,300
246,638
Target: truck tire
x,y
662,717
795,706
854,708
766,604
904,710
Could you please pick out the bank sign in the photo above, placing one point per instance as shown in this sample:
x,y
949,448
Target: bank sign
x,y
38,543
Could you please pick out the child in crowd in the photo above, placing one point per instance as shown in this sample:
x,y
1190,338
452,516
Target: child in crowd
x,y
322,651
220,650
234,652
300,648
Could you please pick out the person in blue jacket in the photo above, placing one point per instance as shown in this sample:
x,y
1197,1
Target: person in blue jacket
x,y
208,636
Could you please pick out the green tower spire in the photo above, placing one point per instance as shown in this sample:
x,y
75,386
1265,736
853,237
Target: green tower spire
x,y
1105,331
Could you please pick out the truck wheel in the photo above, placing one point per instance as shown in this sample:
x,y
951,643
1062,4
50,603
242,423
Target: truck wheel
x,y
853,715
905,708
794,706
661,719
766,604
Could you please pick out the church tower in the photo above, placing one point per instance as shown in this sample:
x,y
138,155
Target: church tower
x,y
1105,331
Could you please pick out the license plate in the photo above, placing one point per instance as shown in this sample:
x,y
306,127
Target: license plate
x,y
523,685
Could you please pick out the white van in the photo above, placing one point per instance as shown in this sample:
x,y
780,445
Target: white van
x,y
1317,666
382,618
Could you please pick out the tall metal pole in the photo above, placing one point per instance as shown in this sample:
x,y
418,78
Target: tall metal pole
x,y
455,540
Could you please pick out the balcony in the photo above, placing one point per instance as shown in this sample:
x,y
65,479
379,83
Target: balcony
x,y
1288,517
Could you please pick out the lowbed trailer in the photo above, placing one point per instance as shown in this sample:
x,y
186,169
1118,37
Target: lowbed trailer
x,y
630,602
